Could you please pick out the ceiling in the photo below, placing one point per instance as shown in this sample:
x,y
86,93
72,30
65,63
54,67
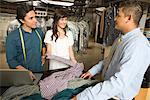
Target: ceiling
x,y
36,0
65,2
51,2
148,1
9,6
15,0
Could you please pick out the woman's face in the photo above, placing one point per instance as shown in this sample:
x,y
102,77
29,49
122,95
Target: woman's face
x,y
62,22
30,20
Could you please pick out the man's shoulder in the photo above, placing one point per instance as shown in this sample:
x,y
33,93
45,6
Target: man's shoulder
x,y
38,29
13,33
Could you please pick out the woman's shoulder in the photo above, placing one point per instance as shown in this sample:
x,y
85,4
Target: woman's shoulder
x,y
49,32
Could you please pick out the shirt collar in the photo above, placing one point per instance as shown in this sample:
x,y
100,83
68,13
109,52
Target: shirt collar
x,y
25,31
131,33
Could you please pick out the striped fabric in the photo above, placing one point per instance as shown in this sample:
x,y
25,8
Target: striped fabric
x,y
58,81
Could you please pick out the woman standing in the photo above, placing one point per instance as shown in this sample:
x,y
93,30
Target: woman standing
x,y
59,41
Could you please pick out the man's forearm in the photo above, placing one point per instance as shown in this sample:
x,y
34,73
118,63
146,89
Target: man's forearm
x,y
43,51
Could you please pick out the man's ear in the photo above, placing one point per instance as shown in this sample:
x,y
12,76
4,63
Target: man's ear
x,y
128,18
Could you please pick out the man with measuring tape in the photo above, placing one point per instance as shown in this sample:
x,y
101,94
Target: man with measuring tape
x,y
24,46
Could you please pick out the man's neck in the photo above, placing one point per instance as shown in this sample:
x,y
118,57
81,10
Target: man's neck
x,y
129,29
27,29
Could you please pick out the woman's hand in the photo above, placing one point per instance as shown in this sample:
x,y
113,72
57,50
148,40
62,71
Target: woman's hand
x,y
74,61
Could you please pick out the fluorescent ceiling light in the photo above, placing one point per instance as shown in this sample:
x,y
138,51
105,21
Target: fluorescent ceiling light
x,y
35,3
101,8
62,3
68,0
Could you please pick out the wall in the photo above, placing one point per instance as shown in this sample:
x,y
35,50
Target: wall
x,y
4,21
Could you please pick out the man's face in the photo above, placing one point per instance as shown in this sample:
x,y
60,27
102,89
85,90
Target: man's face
x,y
30,20
120,20
62,22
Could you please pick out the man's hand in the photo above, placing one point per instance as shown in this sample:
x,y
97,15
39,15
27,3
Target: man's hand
x,y
32,76
19,67
43,59
86,75
74,98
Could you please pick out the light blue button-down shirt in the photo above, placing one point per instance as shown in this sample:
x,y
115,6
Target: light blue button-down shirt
x,y
125,73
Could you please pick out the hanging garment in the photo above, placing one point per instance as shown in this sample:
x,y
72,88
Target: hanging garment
x,y
58,81
12,26
102,24
109,27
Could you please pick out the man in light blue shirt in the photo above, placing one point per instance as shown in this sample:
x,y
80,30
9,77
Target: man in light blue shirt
x,y
128,64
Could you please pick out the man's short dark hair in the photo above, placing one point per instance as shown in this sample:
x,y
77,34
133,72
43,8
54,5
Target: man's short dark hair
x,y
22,10
132,8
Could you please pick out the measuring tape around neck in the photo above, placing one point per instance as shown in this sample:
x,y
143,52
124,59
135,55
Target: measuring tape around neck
x,y
23,45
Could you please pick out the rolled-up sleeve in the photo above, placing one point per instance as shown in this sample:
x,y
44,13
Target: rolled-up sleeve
x,y
97,68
